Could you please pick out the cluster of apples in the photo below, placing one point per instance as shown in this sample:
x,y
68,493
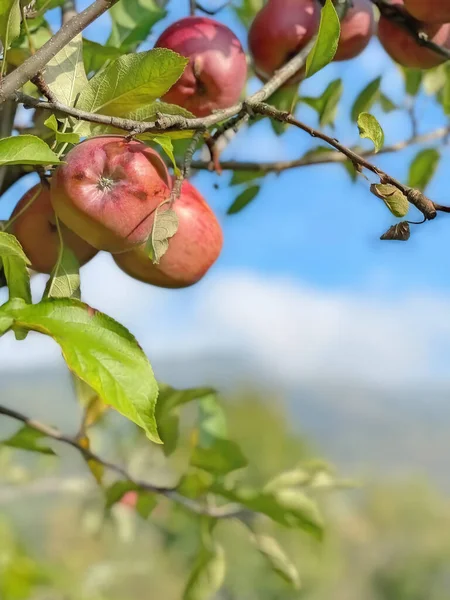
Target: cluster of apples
x,y
107,192
105,197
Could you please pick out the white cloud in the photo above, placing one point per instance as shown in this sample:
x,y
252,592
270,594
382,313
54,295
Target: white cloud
x,y
290,330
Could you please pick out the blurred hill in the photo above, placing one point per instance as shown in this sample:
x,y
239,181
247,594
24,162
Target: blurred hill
x,y
364,430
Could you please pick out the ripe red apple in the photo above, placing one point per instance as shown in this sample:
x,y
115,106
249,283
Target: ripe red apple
x,y
35,228
429,11
403,48
357,28
192,250
217,69
108,191
279,31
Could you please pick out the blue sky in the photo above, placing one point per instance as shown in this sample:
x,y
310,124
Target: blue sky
x,y
303,284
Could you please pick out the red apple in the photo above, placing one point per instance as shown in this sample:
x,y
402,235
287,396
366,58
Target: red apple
x,y
279,31
192,250
217,69
403,48
108,191
429,11
35,228
357,28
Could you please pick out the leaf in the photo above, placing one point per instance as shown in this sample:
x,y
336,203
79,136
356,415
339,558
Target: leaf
x,y
277,559
65,74
423,168
386,103
394,199
64,280
326,42
166,144
195,484
366,99
243,199
240,177
27,439
9,21
326,104
96,55
212,421
220,457
289,507
164,227
96,468
370,128
132,22
146,502
400,232
117,491
98,350
284,99
413,80
132,81
207,576
15,271
247,9
65,138
26,150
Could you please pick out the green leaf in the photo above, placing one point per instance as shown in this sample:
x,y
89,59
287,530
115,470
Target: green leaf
x,y
247,9
132,81
195,484
165,226
64,280
208,574
27,439
394,199
445,95
26,150
220,457
100,351
413,80
366,99
284,99
277,559
146,502
240,177
65,138
327,40
326,104
289,507
423,168
96,55
117,491
244,199
132,22
370,128
14,262
212,421
434,79
386,104
65,74
9,21
166,144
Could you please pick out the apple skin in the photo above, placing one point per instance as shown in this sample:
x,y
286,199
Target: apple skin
x,y
192,250
357,29
108,190
36,231
429,11
401,46
279,31
217,69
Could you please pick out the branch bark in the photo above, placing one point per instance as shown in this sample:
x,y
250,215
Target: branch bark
x,y
15,80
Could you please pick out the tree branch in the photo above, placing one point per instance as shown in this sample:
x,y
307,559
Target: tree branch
x,y
15,80
414,196
317,159
400,16
220,512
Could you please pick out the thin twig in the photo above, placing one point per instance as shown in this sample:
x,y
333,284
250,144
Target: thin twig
x,y
320,158
221,512
415,197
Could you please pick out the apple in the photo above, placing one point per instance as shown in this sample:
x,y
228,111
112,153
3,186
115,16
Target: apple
x,y
108,191
429,11
357,28
36,230
217,70
192,250
279,31
403,48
